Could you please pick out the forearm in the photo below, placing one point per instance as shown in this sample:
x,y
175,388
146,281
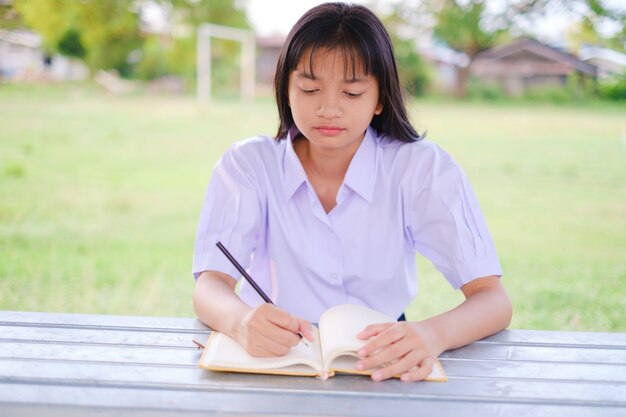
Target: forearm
x,y
483,313
216,304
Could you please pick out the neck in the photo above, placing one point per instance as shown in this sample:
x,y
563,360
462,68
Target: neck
x,y
328,164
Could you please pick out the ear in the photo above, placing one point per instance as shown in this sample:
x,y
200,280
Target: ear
x,y
379,109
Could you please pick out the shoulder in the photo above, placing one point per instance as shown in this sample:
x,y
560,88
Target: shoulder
x,y
248,160
419,158
255,151
253,147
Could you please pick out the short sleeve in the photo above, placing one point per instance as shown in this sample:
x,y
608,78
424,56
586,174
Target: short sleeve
x,y
446,223
231,213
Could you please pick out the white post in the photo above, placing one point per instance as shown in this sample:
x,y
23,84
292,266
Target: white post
x,y
248,46
203,64
247,67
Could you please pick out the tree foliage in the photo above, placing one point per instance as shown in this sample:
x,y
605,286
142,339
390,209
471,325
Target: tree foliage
x,y
411,68
196,12
100,32
70,44
104,32
471,26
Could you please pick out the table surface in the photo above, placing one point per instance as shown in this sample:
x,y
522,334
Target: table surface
x,y
79,365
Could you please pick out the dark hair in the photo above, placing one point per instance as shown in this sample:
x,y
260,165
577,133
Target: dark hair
x,y
362,39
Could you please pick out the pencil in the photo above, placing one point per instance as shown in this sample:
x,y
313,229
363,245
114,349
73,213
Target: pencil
x,y
248,278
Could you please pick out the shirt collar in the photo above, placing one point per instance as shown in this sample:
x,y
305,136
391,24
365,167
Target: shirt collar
x,y
360,176
361,173
294,172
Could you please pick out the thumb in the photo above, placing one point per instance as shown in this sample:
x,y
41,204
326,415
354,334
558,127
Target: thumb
x,y
306,329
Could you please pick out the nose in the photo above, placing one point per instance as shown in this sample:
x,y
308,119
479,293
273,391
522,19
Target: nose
x,y
329,107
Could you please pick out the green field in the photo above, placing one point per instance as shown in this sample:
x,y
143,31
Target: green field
x,y
99,198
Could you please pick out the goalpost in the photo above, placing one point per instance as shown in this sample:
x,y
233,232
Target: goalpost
x,y
207,31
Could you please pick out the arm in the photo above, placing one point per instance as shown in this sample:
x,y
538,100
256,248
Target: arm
x,y
411,348
263,331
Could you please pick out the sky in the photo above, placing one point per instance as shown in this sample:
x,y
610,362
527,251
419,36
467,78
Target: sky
x,y
276,17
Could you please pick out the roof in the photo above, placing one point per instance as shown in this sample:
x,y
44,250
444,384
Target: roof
x,y
537,48
21,37
270,41
591,52
443,54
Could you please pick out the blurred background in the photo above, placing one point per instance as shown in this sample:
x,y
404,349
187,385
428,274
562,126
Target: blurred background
x,y
113,114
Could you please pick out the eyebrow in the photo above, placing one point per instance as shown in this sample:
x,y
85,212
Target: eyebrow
x,y
310,76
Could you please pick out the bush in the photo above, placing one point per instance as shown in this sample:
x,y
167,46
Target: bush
x,y
164,57
152,62
411,69
557,95
483,91
613,88
71,44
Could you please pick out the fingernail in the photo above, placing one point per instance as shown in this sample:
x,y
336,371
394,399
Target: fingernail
x,y
404,377
360,366
376,376
361,352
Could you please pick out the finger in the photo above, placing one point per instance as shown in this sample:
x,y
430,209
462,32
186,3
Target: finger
x,y
387,355
390,335
271,347
280,335
398,367
306,329
282,319
373,330
419,372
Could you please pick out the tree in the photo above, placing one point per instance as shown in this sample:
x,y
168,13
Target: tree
x,y
472,26
411,69
178,55
589,28
196,12
469,27
106,31
9,17
110,30
71,45
49,18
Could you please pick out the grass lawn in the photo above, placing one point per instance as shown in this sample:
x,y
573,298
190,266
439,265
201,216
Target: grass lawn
x,y
99,198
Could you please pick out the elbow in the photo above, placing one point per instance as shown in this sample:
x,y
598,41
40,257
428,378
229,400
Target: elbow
x,y
507,310
196,302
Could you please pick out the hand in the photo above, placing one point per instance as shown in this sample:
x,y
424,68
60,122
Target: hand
x,y
403,348
267,331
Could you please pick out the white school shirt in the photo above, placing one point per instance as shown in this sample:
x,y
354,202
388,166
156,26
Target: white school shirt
x,y
396,199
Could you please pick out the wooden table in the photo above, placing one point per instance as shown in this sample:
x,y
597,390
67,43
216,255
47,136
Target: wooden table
x,y
82,365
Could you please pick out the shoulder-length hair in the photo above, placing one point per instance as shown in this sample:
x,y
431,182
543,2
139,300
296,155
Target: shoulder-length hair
x,y
365,44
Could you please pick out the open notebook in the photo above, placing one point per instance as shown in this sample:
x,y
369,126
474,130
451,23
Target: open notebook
x,y
334,349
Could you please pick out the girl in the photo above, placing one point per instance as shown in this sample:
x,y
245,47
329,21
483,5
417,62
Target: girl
x,y
335,207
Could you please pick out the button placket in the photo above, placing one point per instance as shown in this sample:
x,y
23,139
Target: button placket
x,y
335,255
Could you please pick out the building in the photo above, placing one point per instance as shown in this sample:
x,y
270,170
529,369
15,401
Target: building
x,y
22,58
267,52
20,54
609,63
446,63
526,64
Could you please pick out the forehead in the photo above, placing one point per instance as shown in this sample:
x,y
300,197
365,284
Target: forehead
x,y
346,63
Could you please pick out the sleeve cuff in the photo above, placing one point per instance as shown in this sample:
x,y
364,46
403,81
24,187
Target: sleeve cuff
x,y
467,271
213,261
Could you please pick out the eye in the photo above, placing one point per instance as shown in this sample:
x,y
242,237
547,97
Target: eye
x,y
307,91
353,95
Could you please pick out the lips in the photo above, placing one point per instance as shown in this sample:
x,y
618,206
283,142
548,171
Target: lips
x,y
329,130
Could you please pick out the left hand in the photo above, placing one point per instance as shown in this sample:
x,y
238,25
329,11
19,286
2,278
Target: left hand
x,y
407,349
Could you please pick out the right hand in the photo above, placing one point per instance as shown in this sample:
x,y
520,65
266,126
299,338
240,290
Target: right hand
x,y
267,331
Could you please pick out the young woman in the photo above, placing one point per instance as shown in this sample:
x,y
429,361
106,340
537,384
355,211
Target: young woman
x,y
335,207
